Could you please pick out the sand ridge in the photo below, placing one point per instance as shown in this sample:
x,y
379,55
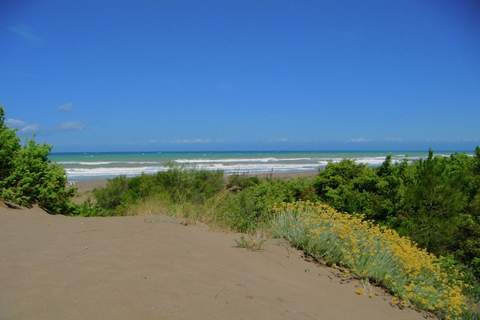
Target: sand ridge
x,y
152,267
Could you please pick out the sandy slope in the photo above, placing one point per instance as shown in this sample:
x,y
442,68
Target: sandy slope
x,y
55,267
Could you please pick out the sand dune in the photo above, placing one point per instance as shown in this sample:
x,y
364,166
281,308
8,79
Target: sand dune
x,y
151,267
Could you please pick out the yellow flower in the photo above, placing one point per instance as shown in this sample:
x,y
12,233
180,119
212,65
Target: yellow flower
x,y
376,252
360,291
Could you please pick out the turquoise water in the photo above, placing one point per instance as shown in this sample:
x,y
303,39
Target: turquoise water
x,y
96,165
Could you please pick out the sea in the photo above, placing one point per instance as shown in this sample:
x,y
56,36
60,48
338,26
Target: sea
x,y
101,165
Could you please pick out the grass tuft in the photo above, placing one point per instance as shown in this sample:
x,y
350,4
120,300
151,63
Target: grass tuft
x,y
251,242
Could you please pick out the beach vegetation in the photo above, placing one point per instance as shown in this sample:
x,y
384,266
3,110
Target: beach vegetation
x,y
251,242
175,186
28,177
9,146
428,207
433,201
238,203
237,182
378,254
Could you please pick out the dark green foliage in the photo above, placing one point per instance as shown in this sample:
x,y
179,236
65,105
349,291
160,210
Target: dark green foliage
x,y
9,145
177,185
193,186
28,177
252,205
242,203
114,195
434,201
239,182
358,188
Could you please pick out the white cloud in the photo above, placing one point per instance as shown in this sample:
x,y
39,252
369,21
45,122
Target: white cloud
x,y
71,125
30,128
23,127
192,141
359,140
66,107
184,141
26,33
15,123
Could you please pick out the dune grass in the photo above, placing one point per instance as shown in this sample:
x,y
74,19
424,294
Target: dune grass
x,y
375,253
251,242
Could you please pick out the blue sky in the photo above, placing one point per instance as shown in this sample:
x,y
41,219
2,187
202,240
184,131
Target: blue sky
x,y
249,74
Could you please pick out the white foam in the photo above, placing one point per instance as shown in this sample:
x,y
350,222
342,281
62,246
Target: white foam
x,y
259,167
100,163
239,160
373,161
228,169
109,172
86,163
227,165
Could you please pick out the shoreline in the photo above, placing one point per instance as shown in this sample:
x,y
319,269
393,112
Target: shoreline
x,y
95,166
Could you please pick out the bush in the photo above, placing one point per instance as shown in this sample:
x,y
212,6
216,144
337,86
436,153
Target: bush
x,y
240,182
241,204
114,195
434,201
251,207
176,185
377,254
28,177
9,146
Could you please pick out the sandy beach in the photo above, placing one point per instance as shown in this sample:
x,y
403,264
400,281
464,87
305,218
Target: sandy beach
x,y
152,267
240,160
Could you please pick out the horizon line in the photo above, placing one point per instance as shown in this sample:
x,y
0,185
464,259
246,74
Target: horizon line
x,y
260,151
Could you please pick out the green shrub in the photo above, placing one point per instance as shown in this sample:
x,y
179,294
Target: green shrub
x,y
28,177
177,185
241,204
114,195
9,146
434,201
252,206
238,182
